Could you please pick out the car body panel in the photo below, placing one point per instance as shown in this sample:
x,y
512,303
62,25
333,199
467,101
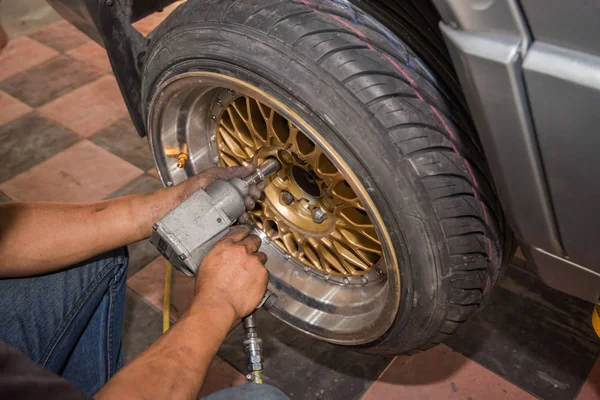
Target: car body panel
x,y
534,106
492,82
564,92
573,25
488,57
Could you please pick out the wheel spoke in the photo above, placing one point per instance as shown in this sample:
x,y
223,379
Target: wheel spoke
x,y
230,161
278,133
358,240
256,123
240,125
334,262
291,244
352,218
230,143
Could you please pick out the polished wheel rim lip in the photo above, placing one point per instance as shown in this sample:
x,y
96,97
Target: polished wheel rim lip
x,y
359,310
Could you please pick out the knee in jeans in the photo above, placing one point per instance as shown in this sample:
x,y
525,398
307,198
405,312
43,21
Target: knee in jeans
x,y
120,260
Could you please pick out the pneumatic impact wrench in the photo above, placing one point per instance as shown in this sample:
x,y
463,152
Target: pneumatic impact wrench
x,y
186,235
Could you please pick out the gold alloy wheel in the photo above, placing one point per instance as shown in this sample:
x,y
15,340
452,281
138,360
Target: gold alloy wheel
x,y
185,119
308,209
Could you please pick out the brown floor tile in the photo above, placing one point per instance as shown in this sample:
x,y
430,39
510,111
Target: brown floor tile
x,y
122,139
93,54
153,172
149,283
591,387
146,25
140,255
142,327
90,108
141,185
4,198
143,252
61,36
22,17
30,140
23,53
220,376
83,172
441,373
11,108
49,80
519,254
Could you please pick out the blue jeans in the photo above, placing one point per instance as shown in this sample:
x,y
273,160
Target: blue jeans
x,y
70,322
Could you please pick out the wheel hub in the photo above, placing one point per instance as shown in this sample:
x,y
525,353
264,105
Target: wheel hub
x,y
309,209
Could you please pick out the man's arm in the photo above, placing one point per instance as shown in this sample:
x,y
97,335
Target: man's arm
x,y
231,282
37,238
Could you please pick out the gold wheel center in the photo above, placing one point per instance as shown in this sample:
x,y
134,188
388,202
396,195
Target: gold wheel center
x,y
308,209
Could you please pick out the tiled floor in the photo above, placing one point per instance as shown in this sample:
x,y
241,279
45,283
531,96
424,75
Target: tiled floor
x,y
66,136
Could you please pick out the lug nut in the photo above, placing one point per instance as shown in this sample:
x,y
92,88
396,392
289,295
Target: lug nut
x,y
319,216
285,156
287,198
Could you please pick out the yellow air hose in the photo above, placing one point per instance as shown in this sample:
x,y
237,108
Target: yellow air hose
x,y
596,319
167,297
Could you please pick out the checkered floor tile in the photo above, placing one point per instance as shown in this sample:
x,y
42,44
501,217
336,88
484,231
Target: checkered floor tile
x,y
65,135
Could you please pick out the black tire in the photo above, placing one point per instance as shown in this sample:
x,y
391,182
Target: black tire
x,y
383,112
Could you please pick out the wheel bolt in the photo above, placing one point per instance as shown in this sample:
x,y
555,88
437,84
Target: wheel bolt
x,y
319,216
287,198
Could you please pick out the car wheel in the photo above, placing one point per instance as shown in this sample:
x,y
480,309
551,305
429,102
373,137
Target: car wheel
x,y
382,229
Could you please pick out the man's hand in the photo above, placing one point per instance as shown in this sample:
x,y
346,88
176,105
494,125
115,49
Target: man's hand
x,y
231,282
233,274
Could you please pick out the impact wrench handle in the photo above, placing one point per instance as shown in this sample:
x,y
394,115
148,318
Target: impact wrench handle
x,y
189,232
253,343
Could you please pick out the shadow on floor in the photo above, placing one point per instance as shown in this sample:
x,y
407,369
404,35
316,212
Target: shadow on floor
x,y
532,335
